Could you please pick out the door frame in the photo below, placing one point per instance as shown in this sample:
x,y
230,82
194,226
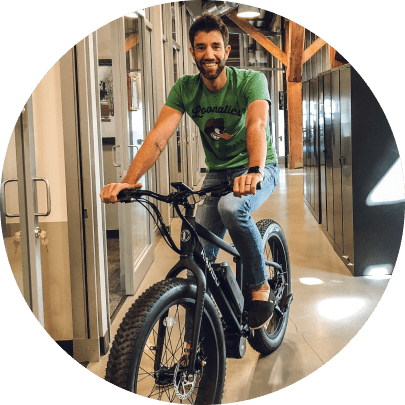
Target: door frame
x,y
86,219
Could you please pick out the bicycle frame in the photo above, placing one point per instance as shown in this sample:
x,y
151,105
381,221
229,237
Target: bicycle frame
x,y
193,258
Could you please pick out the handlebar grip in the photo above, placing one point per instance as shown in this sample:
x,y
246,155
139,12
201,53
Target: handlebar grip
x,y
259,185
122,194
126,194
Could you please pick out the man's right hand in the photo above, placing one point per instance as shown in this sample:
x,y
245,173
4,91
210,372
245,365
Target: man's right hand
x,y
110,191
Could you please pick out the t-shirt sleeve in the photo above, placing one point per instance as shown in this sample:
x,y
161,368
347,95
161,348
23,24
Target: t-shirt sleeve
x,y
257,88
175,100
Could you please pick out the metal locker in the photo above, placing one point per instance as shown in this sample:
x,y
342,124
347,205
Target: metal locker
x,y
328,221
346,162
306,146
313,86
322,161
336,160
350,151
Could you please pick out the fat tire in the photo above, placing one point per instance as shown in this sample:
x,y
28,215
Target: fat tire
x,y
268,338
137,325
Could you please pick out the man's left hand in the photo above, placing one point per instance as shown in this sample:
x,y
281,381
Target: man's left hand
x,y
246,184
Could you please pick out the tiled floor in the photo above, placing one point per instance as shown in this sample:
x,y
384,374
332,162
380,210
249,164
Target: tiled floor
x,y
329,307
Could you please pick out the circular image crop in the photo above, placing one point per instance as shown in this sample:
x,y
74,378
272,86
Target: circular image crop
x,y
112,131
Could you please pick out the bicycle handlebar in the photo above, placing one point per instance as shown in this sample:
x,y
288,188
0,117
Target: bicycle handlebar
x,y
183,192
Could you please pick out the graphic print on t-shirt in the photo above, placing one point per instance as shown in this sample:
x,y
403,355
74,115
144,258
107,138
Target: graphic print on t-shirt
x,y
216,130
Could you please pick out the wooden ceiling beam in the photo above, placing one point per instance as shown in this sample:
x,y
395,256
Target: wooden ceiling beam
x,y
313,49
259,37
333,61
131,41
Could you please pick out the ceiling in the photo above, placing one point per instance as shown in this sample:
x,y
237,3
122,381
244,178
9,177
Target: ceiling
x,y
267,23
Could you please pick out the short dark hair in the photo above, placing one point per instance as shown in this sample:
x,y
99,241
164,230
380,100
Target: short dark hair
x,y
207,23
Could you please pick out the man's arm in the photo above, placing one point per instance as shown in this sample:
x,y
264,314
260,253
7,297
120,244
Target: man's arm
x,y
147,155
256,142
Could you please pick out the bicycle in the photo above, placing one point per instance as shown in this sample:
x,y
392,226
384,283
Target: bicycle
x,y
147,356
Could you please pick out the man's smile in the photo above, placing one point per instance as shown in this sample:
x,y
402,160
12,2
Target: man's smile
x,y
210,64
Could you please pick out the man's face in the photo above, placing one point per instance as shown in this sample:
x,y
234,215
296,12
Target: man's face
x,y
210,53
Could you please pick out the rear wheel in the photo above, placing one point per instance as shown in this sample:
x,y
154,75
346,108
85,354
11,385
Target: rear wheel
x,y
146,356
268,338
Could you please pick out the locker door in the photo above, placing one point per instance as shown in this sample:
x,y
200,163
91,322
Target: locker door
x,y
306,146
314,126
346,161
328,155
337,169
322,171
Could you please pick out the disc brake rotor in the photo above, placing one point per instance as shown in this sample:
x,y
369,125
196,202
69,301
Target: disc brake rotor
x,y
182,385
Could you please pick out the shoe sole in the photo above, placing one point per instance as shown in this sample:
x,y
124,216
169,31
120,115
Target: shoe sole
x,y
261,326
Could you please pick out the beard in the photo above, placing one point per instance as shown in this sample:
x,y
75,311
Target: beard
x,y
211,74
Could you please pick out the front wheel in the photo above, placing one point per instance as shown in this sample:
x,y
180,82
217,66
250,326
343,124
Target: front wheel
x,y
146,355
268,338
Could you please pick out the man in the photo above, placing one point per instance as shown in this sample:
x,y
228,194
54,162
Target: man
x,y
231,108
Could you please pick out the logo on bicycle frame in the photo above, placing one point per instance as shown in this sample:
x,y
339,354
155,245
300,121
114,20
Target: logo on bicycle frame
x,y
185,235
211,270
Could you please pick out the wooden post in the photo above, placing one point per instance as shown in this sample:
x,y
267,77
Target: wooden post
x,y
294,93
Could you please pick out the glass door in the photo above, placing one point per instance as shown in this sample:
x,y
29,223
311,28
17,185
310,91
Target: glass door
x,y
21,232
133,116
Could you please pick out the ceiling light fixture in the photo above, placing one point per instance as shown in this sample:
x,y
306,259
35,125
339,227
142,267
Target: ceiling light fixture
x,y
132,15
219,8
245,11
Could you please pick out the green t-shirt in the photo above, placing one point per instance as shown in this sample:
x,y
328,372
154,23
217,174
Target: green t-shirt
x,y
221,116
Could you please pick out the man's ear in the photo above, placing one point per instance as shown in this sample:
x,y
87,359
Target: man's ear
x,y
192,52
227,51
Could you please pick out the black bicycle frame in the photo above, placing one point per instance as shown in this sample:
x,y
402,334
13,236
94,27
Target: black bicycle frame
x,y
193,258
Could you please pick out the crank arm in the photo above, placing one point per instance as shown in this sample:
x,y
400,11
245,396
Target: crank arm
x,y
282,312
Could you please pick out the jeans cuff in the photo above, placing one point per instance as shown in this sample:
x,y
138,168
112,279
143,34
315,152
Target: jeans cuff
x,y
257,285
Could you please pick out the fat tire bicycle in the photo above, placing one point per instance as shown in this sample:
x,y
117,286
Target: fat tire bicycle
x,y
147,355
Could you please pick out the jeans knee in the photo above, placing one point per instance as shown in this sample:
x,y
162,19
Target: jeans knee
x,y
231,213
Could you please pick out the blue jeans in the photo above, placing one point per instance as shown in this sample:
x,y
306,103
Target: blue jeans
x,y
233,214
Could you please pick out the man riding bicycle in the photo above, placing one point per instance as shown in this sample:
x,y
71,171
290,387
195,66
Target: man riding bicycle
x,y
231,108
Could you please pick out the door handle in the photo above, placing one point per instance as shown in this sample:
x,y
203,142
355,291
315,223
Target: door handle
x,y
38,214
113,155
3,199
134,146
48,197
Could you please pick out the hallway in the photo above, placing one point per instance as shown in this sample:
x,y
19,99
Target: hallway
x,y
329,308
